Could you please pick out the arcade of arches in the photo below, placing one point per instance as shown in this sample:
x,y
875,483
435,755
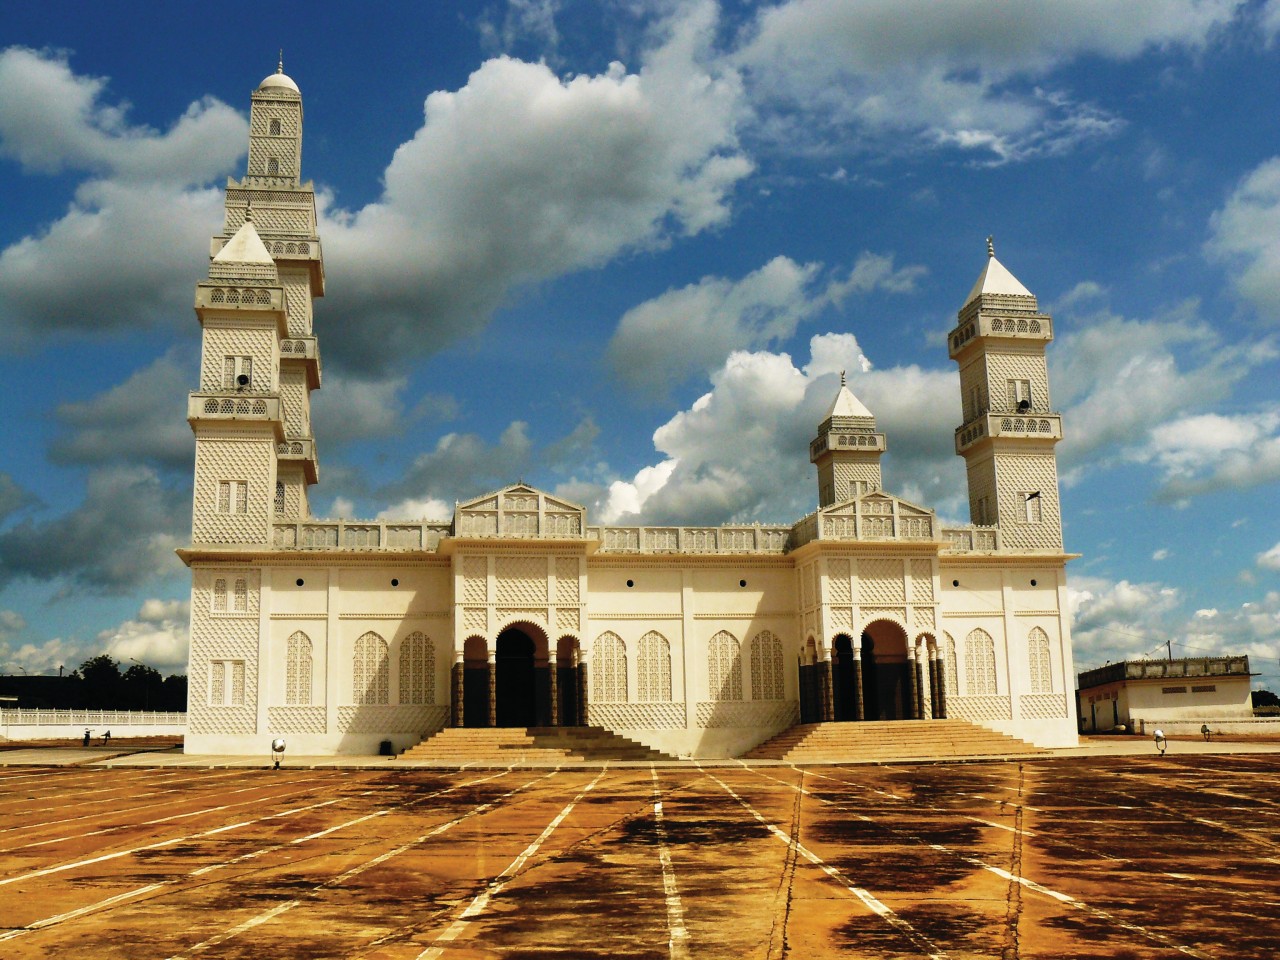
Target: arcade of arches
x,y
515,684
879,677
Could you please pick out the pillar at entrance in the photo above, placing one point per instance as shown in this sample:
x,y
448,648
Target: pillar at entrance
x,y
581,671
917,689
555,689
827,693
859,703
913,682
941,711
458,691
933,687
493,689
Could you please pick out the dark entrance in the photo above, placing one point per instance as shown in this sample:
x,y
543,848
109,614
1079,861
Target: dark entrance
x,y
475,683
843,695
884,679
515,694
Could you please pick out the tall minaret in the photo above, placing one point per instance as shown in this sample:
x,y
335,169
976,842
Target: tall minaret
x,y
255,456
1009,430
847,450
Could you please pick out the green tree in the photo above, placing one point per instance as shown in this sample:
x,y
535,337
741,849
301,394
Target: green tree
x,y
142,688
100,683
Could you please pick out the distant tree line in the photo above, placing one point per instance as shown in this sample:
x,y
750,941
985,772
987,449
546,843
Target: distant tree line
x,y
100,684
1265,703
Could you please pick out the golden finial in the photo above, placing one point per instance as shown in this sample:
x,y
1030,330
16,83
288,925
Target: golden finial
x,y
280,64
991,246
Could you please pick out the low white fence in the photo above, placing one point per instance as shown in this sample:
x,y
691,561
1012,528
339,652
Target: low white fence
x,y
1227,727
17,724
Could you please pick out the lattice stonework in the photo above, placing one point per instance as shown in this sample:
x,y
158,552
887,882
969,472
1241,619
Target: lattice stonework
x,y
370,671
567,591
417,669
424,720
636,716
949,664
296,719
1019,475
297,301
521,581
767,682
764,716
806,587
840,618
921,581
1038,661
1042,706
474,620
880,582
568,619
475,572
297,671
244,461
609,669
293,400
1003,367
896,614
222,342
724,667
979,664
223,636
653,669
979,709
922,618
838,589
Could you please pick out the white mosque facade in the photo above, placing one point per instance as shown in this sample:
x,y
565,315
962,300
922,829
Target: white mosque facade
x,y
340,635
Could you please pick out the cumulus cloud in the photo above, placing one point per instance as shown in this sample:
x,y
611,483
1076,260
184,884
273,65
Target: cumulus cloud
x,y
429,508
740,453
1270,558
663,341
351,408
521,176
13,497
158,636
1118,620
1207,452
122,535
132,422
954,74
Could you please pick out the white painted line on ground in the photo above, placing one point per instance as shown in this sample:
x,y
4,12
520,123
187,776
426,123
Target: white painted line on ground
x,y
497,884
367,865
678,934
79,912
917,939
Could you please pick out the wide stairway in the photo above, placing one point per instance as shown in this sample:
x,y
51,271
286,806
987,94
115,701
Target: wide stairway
x,y
463,745
877,741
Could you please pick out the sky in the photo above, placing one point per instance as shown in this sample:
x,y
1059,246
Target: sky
x,y
622,250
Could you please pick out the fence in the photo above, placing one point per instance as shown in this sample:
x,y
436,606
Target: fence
x,y
19,724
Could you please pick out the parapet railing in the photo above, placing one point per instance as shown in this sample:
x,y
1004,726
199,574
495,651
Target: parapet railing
x,y
43,717
358,535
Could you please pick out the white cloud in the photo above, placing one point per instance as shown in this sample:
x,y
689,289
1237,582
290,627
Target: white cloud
x,y
348,408
521,176
43,658
158,636
1200,454
1270,559
1246,236
1118,620
1161,554
953,74
429,508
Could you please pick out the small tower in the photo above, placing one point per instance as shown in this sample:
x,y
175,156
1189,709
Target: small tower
x,y
847,450
1009,430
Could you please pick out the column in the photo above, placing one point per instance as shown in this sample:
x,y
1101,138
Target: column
x,y
941,712
555,683
828,692
917,679
933,685
859,704
913,678
582,690
459,690
493,688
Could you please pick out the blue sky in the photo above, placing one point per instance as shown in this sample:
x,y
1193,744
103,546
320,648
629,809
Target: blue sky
x,y
621,250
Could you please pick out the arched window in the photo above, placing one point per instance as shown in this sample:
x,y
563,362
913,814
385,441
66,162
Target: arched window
x,y
273,167
1038,661
275,128
609,668
766,667
370,671
219,601
979,664
279,496
724,667
417,669
949,665
297,671
653,669
240,599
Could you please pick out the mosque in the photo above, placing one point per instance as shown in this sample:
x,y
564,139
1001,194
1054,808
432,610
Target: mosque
x,y
340,635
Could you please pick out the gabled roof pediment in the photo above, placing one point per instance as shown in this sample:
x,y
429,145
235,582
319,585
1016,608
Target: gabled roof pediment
x,y
519,511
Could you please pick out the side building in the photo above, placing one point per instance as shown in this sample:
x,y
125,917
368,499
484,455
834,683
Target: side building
x,y
699,641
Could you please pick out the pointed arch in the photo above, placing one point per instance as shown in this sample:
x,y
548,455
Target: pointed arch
x,y
950,672
297,671
767,682
370,671
653,669
1038,661
609,668
979,664
417,669
724,667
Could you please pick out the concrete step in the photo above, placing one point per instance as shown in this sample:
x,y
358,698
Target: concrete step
x,y
887,740
520,744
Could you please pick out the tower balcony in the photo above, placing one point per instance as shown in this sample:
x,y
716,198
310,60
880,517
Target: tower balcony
x,y
306,349
1036,327
230,406
847,441
1023,425
300,450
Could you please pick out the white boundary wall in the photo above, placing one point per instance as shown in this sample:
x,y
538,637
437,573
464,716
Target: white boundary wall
x,y
64,724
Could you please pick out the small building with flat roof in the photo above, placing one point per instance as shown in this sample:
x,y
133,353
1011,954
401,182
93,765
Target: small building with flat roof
x,y
1138,693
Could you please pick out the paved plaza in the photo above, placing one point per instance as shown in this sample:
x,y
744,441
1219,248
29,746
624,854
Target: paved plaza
x,y
1081,857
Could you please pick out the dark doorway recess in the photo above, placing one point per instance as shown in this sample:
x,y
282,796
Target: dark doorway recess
x,y
843,695
884,679
517,703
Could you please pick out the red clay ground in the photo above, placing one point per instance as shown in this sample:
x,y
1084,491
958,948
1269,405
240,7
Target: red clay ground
x,y
1122,858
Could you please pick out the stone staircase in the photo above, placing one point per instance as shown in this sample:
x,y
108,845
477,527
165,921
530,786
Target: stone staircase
x,y
876,741
462,745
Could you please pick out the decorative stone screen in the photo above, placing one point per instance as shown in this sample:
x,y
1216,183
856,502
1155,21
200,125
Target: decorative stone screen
x,y
724,667
370,673
417,669
297,671
609,669
979,664
766,667
653,669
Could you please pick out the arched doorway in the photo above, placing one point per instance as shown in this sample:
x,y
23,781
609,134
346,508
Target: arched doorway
x,y
515,684
475,683
886,676
844,704
567,683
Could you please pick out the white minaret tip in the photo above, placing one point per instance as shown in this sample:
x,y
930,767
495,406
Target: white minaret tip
x,y
996,278
846,404
245,247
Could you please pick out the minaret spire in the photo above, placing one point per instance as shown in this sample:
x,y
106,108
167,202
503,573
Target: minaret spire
x,y
280,63
991,247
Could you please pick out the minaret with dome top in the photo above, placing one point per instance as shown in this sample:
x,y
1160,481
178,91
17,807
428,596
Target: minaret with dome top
x,y
252,414
1009,431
